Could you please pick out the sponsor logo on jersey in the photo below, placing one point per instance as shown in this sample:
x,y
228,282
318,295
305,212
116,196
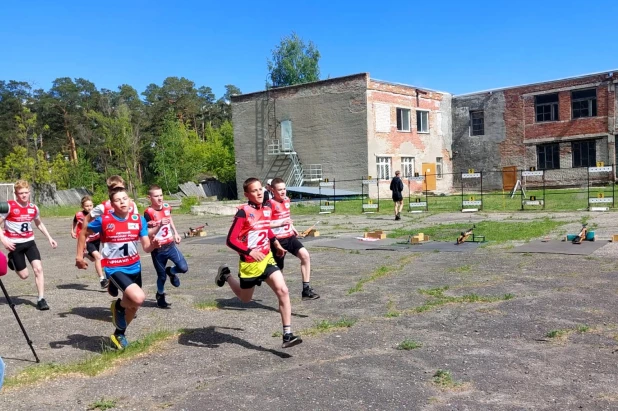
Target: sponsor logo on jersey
x,y
266,213
287,205
30,211
166,212
16,211
133,226
165,205
251,215
134,217
110,227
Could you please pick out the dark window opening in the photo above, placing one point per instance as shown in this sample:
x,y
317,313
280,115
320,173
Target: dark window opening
x,y
584,153
548,156
477,123
546,107
584,103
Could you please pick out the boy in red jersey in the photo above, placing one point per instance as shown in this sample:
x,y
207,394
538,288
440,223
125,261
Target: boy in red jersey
x,y
121,231
92,242
282,226
18,238
251,237
159,216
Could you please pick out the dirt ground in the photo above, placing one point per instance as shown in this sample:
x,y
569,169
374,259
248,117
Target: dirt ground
x,y
498,353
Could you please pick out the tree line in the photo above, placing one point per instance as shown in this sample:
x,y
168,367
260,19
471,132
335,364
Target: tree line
x,y
75,134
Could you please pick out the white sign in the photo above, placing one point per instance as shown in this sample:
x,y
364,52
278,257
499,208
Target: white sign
x,y
419,204
327,184
470,175
601,200
419,178
370,206
327,207
369,181
531,173
532,202
599,169
472,203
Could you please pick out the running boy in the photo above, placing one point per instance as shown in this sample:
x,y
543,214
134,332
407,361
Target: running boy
x,y
120,232
282,226
159,216
250,236
18,238
92,242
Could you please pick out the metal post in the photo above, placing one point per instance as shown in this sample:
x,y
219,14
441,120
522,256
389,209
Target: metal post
x,y
521,183
613,183
462,190
544,201
334,195
378,186
481,189
362,195
12,305
588,200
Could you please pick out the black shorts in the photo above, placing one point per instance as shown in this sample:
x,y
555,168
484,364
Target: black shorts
x,y
23,251
291,245
93,246
397,198
246,283
122,280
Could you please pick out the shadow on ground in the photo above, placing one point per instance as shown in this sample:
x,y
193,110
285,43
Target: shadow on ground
x,y
236,304
95,344
209,337
90,313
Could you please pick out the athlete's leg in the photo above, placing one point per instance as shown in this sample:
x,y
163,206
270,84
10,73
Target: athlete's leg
x,y
277,283
160,260
305,264
37,267
244,294
132,298
180,264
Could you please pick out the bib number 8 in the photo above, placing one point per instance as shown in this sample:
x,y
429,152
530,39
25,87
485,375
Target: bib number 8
x,y
25,227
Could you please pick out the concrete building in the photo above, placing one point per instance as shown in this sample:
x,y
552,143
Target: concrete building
x,y
346,128
560,126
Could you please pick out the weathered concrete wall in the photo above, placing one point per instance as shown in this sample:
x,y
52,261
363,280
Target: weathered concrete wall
x,y
481,152
329,127
384,140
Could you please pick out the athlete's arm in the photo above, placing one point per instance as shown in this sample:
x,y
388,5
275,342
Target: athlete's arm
x,y
41,226
176,236
8,244
233,240
81,240
73,233
147,244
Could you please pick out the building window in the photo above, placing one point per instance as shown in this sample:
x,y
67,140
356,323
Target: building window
x,y
403,119
546,107
584,153
439,167
477,123
584,103
384,168
422,121
548,156
407,165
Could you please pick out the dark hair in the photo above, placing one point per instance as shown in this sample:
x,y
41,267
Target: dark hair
x,y
115,191
248,182
85,199
153,187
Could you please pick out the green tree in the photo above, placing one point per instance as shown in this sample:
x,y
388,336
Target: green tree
x,y
293,62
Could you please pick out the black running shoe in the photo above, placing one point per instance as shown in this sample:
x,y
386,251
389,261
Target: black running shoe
x,y
308,294
161,303
174,279
222,274
104,282
290,340
42,305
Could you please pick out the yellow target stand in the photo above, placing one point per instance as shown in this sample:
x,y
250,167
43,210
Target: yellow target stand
x,y
472,204
327,206
532,200
602,201
419,204
368,206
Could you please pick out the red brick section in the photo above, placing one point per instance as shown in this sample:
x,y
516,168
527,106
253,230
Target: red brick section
x,y
520,117
403,96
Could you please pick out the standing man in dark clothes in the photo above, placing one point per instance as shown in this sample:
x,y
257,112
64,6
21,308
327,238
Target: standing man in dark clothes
x,y
397,188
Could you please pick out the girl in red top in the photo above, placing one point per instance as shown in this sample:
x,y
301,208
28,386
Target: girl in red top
x,y
92,241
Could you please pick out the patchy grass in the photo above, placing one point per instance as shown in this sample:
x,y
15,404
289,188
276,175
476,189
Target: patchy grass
x,y
207,305
461,269
90,366
392,310
408,345
561,334
444,379
437,298
102,404
495,231
324,326
557,333
379,273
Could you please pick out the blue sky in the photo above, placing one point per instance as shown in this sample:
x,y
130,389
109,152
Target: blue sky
x,y
452,46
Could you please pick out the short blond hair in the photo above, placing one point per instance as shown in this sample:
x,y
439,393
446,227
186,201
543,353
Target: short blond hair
x,y
19,184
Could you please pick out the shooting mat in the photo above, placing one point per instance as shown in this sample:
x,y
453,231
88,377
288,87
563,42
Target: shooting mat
x,y
559,247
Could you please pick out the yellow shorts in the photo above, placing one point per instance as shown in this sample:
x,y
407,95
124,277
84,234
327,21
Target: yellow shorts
x,y
252,274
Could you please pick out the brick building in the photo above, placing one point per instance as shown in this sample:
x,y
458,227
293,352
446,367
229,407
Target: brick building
x,y
345,128
351,127
561,126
